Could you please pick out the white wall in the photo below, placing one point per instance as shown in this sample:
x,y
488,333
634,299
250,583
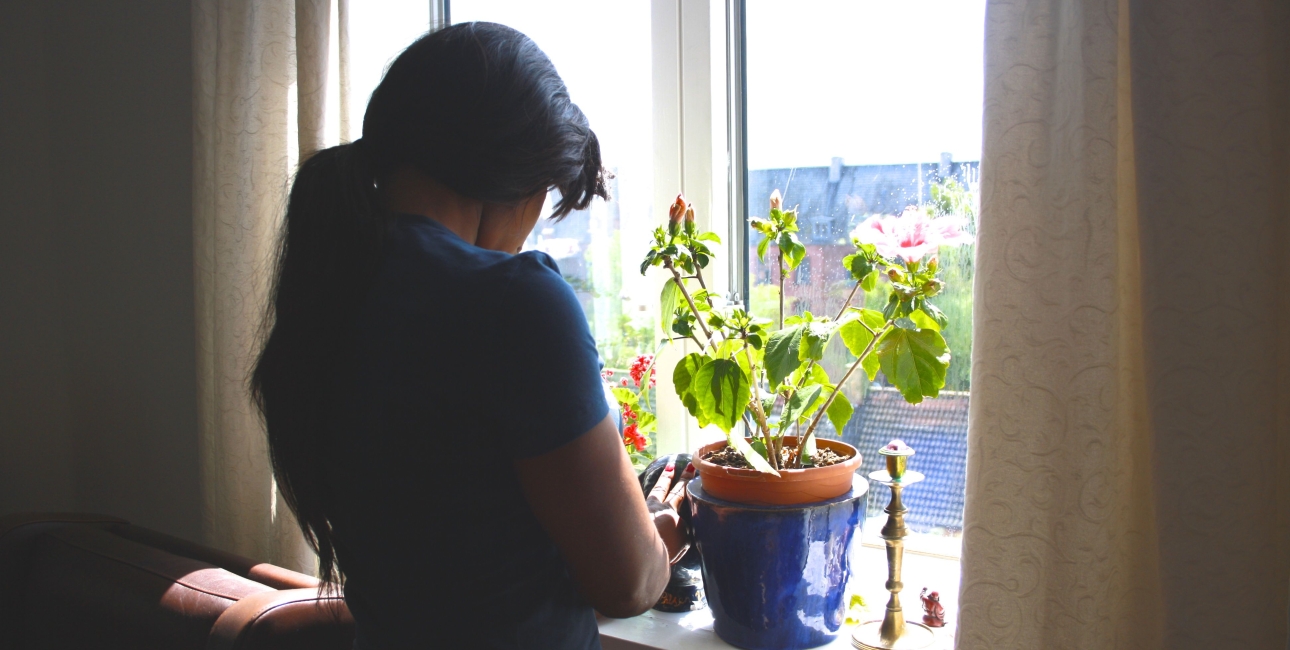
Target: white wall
x,y
97,388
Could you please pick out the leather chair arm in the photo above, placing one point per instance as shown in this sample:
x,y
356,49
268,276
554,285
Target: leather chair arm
x,y
284,620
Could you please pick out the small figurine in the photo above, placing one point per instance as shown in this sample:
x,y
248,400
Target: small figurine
x,y
935,612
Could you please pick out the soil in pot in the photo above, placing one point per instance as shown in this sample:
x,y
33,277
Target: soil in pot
x,y
729,457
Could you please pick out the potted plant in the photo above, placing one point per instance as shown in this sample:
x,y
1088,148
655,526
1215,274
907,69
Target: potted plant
x,y
767,376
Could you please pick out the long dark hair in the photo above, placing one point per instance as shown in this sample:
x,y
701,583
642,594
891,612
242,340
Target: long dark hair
x,y
476,106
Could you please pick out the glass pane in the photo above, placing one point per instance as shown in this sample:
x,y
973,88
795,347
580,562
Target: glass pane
x,y
879,110
378,32
602,50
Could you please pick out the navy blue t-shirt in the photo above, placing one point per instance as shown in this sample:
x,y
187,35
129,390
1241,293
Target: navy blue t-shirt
x,y
464,359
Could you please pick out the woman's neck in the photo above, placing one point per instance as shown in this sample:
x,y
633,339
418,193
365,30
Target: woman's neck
x,y
409,191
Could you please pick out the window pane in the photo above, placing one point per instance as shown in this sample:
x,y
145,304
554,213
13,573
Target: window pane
x,y
602,50
877,110
378,32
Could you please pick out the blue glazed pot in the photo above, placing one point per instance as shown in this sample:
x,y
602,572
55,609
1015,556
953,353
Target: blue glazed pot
x,y
776,576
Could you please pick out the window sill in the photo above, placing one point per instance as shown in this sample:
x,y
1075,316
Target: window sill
x,y
693,630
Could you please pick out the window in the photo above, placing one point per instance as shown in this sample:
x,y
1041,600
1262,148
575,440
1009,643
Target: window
x,y
851,108
878,110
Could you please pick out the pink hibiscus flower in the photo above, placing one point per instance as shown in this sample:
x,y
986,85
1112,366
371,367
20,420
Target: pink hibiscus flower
x,y
911,236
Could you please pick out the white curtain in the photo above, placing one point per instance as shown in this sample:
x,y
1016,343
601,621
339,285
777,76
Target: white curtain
x,y
1128,482
269,84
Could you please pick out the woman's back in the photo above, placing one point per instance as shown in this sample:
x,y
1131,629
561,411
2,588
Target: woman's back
x,y
463,360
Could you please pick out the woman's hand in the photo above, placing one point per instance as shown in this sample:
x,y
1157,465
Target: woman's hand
x,y
664,505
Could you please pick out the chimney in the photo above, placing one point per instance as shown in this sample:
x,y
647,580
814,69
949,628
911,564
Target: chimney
x,y
835,169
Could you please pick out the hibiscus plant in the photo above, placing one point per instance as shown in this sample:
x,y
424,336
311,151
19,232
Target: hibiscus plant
x,y
768,375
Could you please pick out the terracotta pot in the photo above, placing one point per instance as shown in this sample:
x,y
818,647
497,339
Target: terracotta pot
x,y
792,487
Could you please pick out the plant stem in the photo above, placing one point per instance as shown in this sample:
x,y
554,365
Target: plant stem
x,y
698,275
847,303
698,317
781,286
757,411
828,402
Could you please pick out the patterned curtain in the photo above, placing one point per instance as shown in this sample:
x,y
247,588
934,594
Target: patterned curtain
x,y
1130,422
261,99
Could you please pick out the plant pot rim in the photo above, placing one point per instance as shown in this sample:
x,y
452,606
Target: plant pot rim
x,y
784,474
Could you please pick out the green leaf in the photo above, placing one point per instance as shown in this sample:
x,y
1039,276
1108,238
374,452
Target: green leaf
x,y
755,459
646,422
758,446
814,338
807,450
856,336
801,405
709,236
723,390
782,353
818,375
936,314
914,361
762,246
870,281
791,249
839,412
625,395
668,302
924,321
649,261
683,380
858,265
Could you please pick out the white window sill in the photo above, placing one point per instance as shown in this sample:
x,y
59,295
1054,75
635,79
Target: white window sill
x,y
693,630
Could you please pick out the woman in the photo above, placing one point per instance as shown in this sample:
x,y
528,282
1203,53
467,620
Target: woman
x,y
432,396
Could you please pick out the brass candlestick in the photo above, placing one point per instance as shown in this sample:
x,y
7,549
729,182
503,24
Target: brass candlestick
x,y
893,632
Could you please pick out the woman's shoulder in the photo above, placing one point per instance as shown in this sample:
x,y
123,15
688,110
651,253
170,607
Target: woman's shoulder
x,y
436,254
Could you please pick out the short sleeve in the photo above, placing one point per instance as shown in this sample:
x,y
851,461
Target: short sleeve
x,y
552,391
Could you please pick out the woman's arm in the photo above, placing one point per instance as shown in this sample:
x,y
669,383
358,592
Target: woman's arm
x,y
587,497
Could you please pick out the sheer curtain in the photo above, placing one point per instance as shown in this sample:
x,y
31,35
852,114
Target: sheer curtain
x,y
269,85
1130,425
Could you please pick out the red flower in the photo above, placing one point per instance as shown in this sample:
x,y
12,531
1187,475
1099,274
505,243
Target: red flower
x,y
606,374
640,365
632,436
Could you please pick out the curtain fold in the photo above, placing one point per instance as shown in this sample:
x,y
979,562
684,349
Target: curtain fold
x,y
260,79
1127,467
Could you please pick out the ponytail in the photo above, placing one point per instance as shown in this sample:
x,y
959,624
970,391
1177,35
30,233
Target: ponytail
x,y
329,248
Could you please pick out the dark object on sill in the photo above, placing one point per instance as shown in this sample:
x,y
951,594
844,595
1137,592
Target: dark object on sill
x,y
684,590
934,611
93,581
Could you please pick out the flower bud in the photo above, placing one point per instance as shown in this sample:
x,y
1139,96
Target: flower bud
x,y
894,274
689,215
776,200
677,210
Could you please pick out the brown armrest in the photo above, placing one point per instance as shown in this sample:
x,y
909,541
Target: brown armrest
x,y
284,620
